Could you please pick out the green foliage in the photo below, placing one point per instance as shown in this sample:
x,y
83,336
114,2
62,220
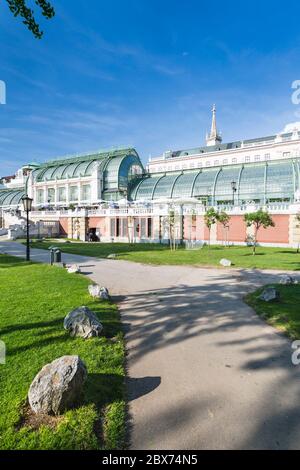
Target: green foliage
x,y
211,217
19,8
285,314
223,218
258,219
34,301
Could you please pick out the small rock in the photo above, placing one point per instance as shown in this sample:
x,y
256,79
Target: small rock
x,y
269,294
82,322
225,262
58,386
73,269
112,256
98,292
104,294
94,290
286,280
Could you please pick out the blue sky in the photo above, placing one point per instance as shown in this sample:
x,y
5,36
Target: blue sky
x,y
145,74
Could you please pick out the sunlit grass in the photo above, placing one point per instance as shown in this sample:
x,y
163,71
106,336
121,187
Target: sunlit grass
x,y
159,254
34,301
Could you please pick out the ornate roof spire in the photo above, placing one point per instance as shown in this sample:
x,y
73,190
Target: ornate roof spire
x,y
213,131
214,138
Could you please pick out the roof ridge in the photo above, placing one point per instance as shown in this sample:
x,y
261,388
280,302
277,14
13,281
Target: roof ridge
x,y
98,154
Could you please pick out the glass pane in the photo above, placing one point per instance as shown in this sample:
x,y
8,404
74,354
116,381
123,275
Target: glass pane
x,y
86,192
62,194
223,189
73,193
164,186
40,196
183,185
280,181
51,195
252,184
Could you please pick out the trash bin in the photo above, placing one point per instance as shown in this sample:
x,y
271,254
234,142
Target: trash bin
x,y
51,255
52,250
57,256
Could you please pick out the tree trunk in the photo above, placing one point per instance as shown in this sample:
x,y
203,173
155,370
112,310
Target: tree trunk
x,y
255,238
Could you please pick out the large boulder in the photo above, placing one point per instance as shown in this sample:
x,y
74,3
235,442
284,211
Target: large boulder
x,y
269,294
58,386
286,280
83,322
225,262
74,269
98,292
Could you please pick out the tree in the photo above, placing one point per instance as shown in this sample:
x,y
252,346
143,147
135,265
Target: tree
x,y
211,217
224,218
258,219
19,8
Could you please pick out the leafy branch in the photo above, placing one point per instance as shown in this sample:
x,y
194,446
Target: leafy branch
x,y
19,8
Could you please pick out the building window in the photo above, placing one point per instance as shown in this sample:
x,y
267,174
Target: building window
x,y
192,165
216,162
62,194
86,192
267,156
207,164
286,154
199,164
40,196
51,195
73,193
247,159
225,162
257,158
234,160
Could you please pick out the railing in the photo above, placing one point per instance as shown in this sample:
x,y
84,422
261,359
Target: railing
x,y
162,209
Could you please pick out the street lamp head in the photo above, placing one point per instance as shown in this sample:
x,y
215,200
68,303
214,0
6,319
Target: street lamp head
x,y
27,203
233,186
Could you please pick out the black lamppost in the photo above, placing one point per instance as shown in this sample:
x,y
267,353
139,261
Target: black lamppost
x,y
27,204
233,187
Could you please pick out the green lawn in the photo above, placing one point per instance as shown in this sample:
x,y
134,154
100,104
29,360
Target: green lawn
x,y
34,301
241,256
284,314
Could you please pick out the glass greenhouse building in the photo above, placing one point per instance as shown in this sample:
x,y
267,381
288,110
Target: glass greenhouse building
x,y
114,197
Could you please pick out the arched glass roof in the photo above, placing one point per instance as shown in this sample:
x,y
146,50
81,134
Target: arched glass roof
x,y
145,189
75,167
263,182
223,188
11,197
164,186
117,171
204,182
183,185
